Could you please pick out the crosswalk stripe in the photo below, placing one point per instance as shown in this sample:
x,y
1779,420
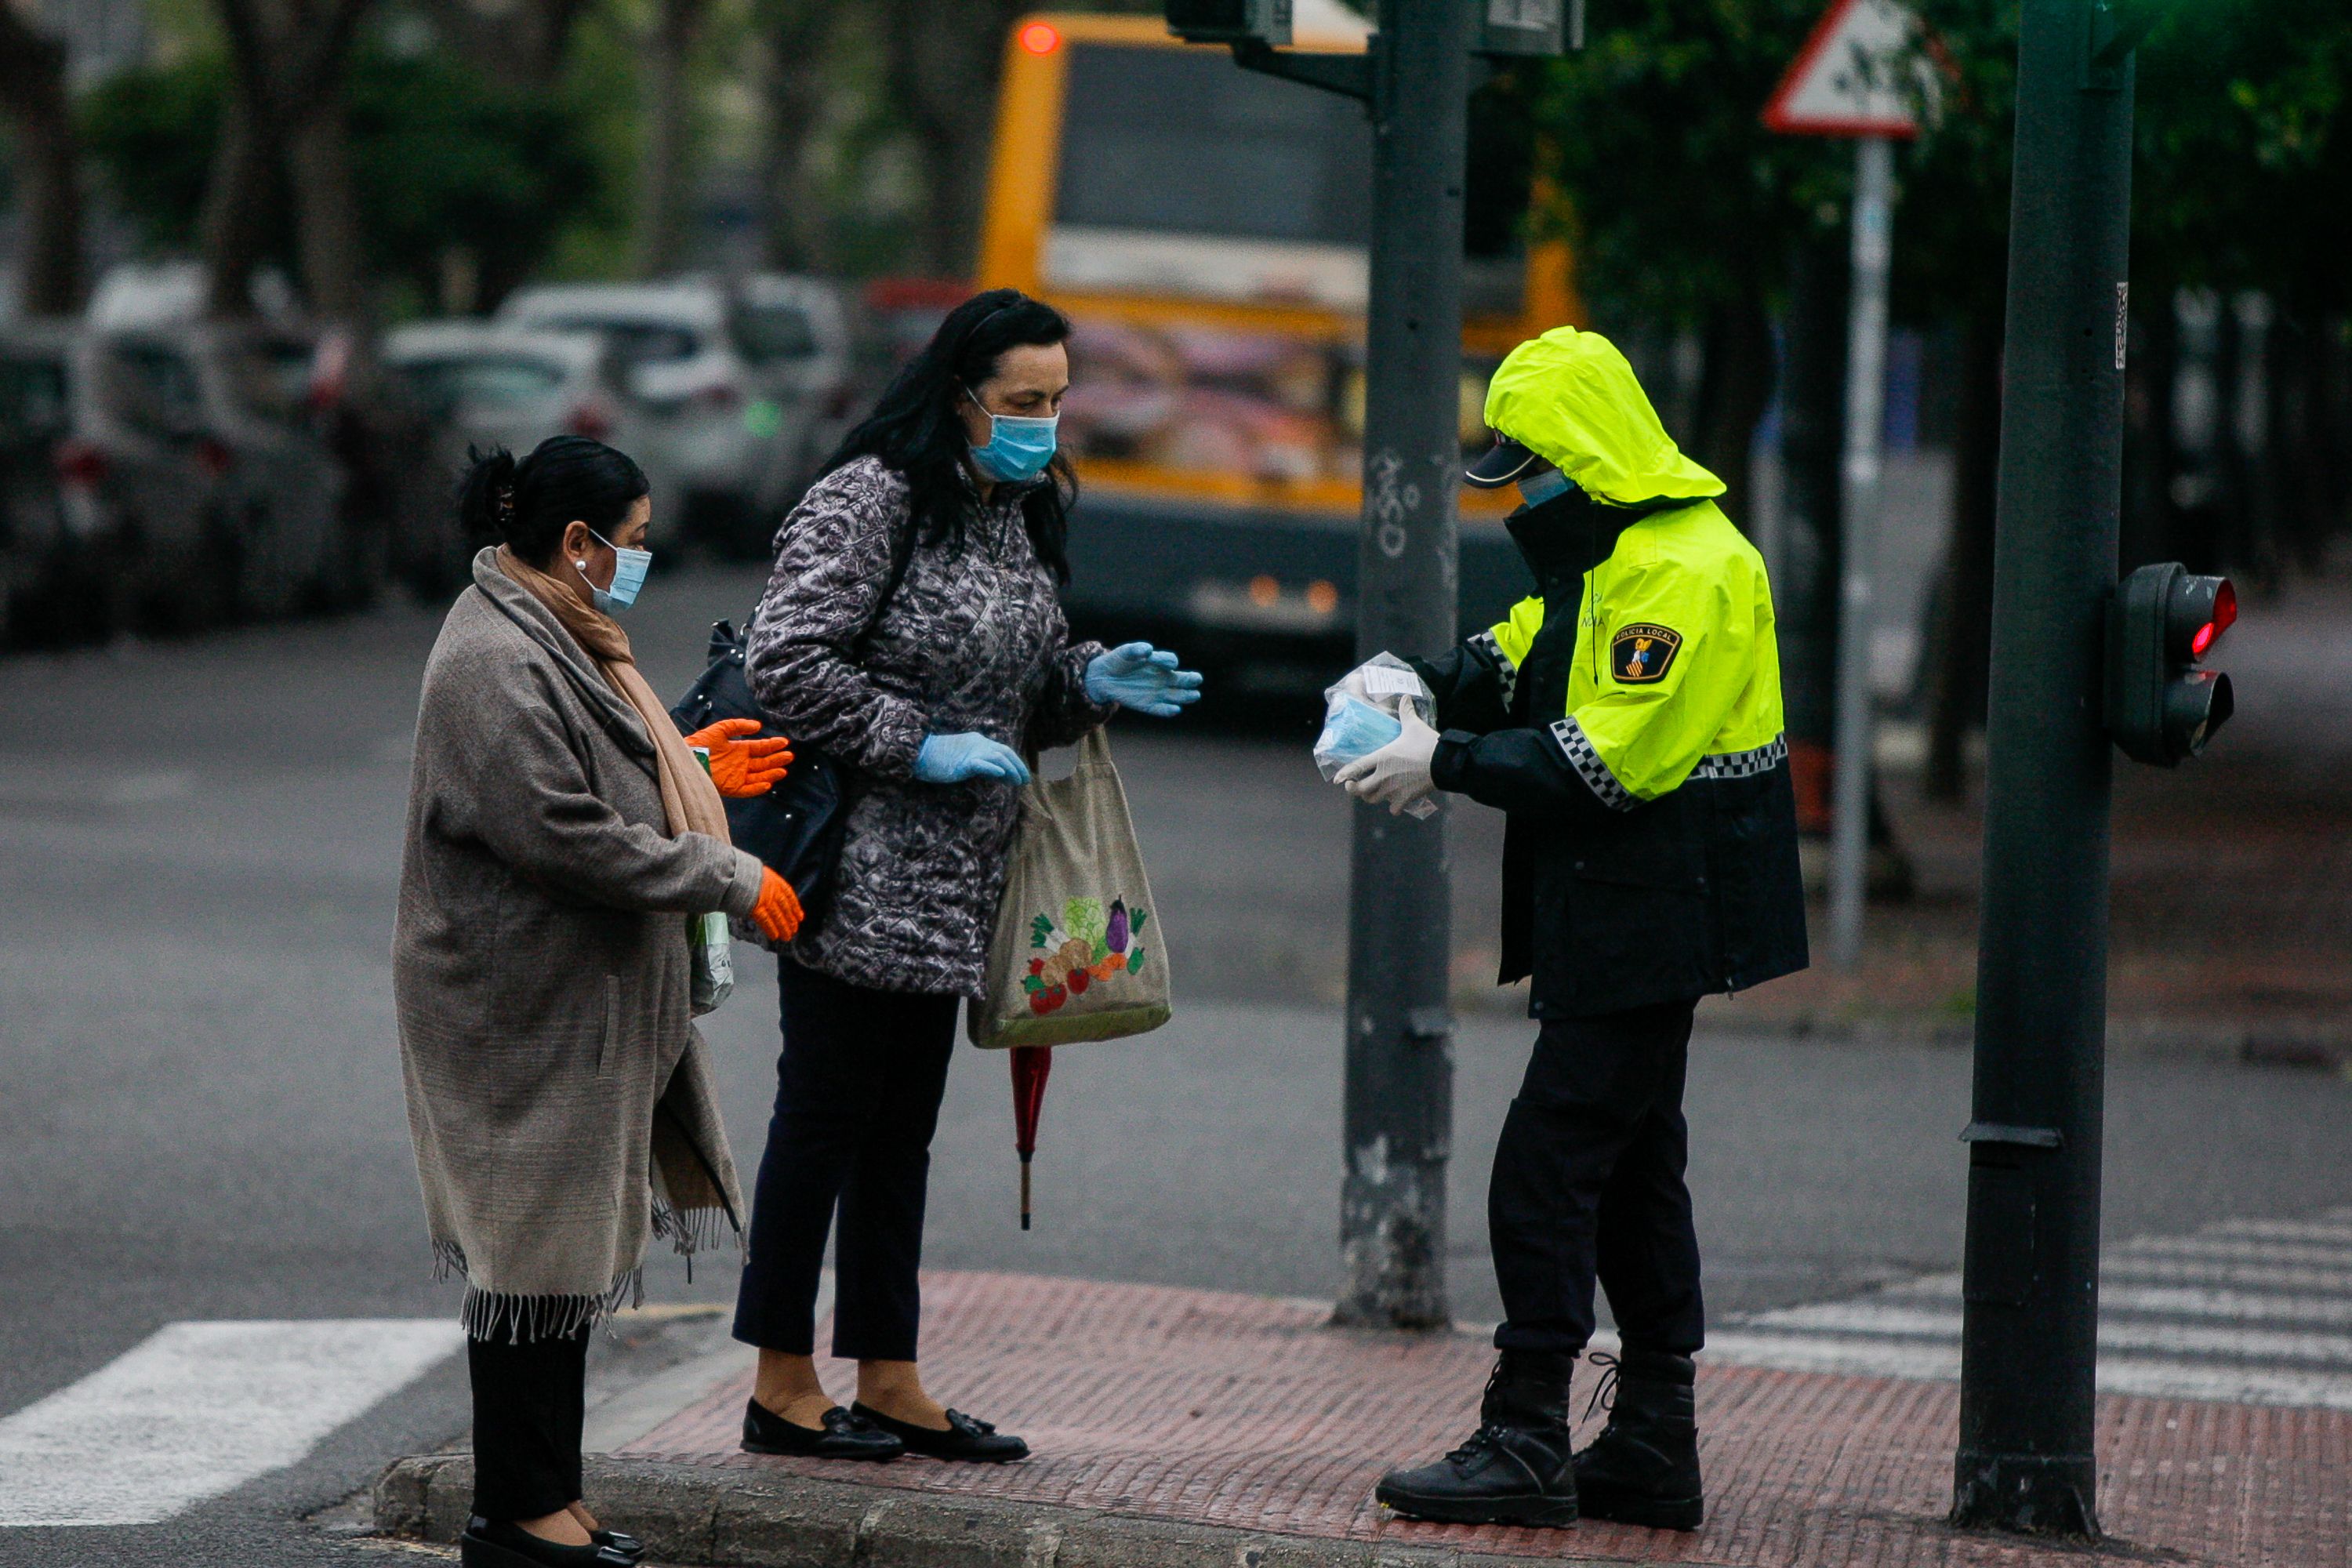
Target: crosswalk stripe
x,y
2239,1311
2237,1251
198,1409
2131,1333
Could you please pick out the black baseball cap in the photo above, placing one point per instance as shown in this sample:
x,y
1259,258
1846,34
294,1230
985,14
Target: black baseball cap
x,y
1501,464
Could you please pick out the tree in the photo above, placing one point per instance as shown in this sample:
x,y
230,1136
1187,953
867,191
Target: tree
x,y
289,59
664,168
797,38
34,97
943,61
518,43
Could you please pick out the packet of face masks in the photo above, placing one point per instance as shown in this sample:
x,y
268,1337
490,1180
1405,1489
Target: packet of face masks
x,y
1360,716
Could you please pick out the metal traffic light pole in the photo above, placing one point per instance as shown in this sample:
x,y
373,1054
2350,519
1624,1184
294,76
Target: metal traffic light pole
x,y
2029,1339
1400,1048
1415,82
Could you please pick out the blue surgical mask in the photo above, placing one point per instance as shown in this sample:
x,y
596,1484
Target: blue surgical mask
x,y
1549,485
1018,448
628,575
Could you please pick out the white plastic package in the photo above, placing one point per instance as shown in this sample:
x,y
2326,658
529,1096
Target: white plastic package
x,y
1360,715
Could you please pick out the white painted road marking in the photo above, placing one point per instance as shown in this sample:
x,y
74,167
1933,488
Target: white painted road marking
x,y
2187,1312
199,1409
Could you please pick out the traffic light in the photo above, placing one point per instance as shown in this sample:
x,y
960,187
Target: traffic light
x,y
1508,27
1266,22
2161,623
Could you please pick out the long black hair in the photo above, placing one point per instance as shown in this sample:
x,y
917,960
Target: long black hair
x,y
525,505
916,429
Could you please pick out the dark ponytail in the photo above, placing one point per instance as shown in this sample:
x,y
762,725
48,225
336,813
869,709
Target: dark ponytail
x,y
525,505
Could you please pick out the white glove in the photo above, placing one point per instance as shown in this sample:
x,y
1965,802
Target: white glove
x,y
1398,773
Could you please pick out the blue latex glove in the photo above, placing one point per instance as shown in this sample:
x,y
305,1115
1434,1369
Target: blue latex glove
x,y
953,759
1138,675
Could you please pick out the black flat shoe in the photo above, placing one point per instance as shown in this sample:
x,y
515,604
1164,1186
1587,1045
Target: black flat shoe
x,y
620,1540
967,1438
842,1436
498,1545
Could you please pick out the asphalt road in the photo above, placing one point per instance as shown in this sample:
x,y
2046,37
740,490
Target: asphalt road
x,y
198,852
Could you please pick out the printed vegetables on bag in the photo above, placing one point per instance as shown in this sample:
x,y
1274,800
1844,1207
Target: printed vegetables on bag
x,y
1088,946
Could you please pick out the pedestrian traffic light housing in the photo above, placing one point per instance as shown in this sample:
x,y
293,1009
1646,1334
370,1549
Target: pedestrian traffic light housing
x,y
1520,28
2162,622
1263,22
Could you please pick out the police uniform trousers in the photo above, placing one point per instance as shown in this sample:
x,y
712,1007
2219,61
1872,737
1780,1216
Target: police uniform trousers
x,y
1589,1184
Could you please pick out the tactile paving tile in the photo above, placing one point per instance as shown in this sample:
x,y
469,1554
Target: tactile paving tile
x,y
1240,1411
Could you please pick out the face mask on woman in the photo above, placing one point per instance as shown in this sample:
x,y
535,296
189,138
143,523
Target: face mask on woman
x,y
1018,448
628,575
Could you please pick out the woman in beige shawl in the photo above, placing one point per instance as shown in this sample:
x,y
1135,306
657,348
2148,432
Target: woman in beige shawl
x,y
560,834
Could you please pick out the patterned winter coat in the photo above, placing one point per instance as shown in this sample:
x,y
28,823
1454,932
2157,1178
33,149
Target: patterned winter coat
x,y
974,639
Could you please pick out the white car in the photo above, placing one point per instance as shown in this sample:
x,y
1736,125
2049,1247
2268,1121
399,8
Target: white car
x,y
704,417
484,385
746,387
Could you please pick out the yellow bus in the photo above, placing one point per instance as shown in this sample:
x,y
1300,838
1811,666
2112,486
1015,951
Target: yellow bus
x,y
1205,229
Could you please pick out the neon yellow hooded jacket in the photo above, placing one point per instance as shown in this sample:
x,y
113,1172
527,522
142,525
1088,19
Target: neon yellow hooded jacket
x,y
1676,665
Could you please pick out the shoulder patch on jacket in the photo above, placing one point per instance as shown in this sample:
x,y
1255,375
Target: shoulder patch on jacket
x,y
1643,652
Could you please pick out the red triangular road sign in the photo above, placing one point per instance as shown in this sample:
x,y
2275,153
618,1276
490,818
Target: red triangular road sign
x,y
1865,72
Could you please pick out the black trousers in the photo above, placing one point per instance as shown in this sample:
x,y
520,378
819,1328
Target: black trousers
x,y
1589,1183
857,1098
528,1402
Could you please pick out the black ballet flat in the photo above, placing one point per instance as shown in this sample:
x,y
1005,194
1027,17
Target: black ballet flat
x,y
843,1435
619,1541
967,1438
489,1543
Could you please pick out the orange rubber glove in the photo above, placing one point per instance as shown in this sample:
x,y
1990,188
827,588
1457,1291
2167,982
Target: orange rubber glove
x,y
743,770
778,913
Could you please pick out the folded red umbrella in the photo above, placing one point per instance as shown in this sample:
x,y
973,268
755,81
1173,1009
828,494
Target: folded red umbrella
x,y
1031,1064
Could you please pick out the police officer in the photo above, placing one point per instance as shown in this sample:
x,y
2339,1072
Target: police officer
x,y
1627,718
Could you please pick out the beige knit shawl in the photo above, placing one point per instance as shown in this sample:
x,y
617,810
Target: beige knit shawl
x,y
689,799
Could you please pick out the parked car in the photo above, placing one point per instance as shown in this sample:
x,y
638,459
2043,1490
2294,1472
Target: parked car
x,y
734,385
484,383
113,490
282,489
797,334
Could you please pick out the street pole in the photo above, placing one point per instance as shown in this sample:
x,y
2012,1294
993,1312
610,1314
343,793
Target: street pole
x,y
2030,1313
1865,394
1400,1048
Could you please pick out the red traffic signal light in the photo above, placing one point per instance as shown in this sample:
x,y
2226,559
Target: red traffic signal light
x,y
2163,620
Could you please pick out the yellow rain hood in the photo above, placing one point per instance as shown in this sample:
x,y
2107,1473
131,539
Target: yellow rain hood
x,y
1571,397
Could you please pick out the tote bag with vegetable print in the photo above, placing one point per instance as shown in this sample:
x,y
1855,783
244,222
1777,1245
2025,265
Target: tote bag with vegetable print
x,y
1077,953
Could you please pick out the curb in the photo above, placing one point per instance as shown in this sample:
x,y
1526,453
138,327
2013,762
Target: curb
x,y
739,1518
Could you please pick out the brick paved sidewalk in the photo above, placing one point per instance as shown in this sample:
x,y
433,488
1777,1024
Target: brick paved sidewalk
x,y
1149,1405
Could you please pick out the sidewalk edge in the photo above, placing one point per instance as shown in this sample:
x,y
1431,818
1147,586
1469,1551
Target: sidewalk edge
x,y
736,1518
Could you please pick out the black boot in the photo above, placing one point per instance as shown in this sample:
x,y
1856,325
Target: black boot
x,y
1644,1468
1515,1469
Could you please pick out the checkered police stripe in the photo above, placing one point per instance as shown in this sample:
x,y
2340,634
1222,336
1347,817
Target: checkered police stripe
x,y
1586,761
1485,642
1743,764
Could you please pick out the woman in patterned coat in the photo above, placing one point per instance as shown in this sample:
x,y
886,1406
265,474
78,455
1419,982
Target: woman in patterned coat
x,y
913,628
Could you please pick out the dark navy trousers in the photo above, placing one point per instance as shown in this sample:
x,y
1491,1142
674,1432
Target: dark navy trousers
x,y
857,1097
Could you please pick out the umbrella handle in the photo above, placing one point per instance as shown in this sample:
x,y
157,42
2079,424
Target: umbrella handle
x,y
1024,1192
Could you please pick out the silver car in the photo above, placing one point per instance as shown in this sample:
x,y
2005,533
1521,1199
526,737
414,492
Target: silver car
x,y
487,384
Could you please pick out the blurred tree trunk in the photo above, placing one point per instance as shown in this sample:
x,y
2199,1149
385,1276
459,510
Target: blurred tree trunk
x,y
40,115
663,176
944,60
1734,389
1960,643
521,43
287,59
326,205
791,217
1813,438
